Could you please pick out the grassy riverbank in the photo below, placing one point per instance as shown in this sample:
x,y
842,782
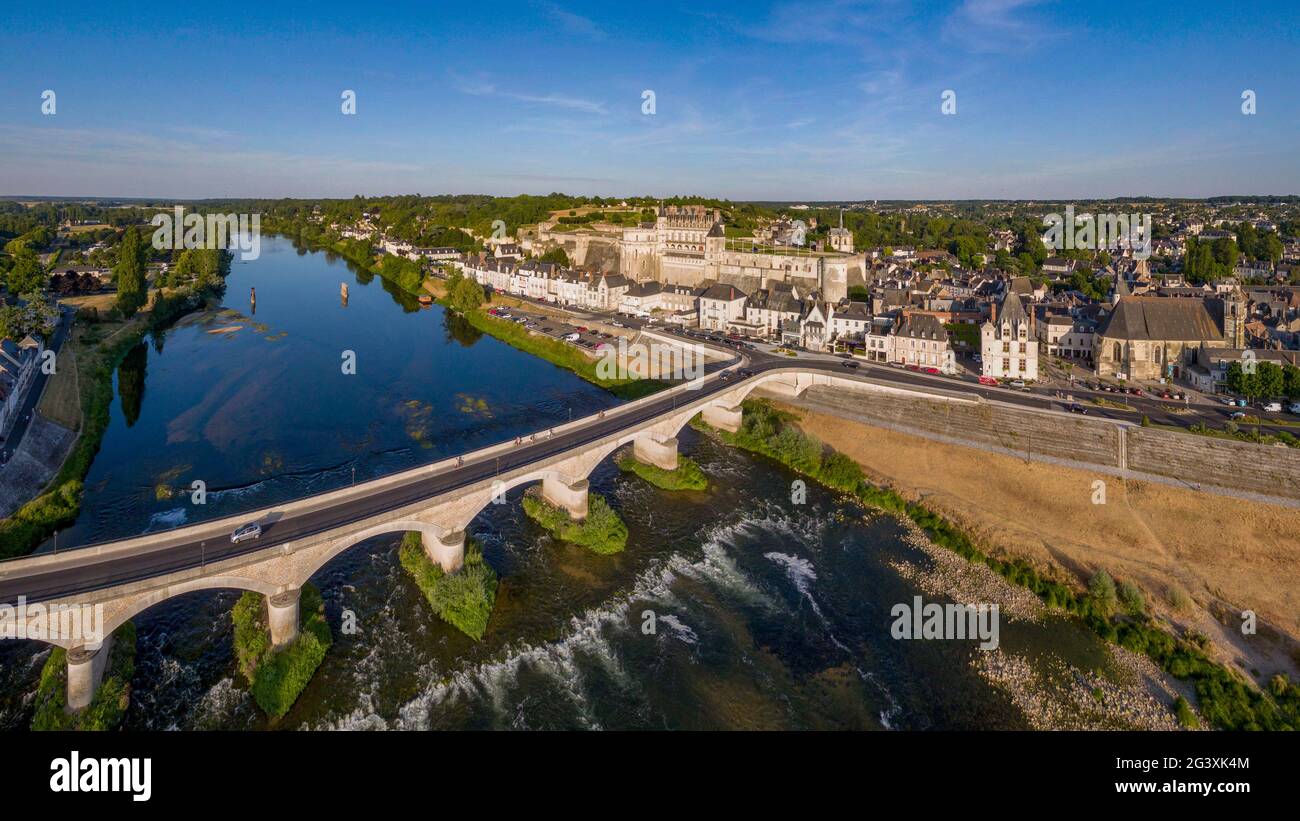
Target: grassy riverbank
x,y
687,476
99,349
278,677
109,704
601,532
1225,700
463,599
560,353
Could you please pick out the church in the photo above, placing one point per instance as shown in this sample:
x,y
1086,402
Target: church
x,y
1157,337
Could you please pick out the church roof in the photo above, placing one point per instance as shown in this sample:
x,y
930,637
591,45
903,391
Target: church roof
x,y
1160,318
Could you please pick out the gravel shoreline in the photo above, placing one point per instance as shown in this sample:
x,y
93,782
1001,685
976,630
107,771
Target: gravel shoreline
x,y
1053,695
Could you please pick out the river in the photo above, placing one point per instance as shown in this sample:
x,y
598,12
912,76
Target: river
x,y
734,607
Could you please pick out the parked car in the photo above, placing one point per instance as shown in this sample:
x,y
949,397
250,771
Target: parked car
x,y
245,532
1237,415
930,370
1077,408
573,337
849,364
616,324
1294,407
1271,407
1017,383
988,380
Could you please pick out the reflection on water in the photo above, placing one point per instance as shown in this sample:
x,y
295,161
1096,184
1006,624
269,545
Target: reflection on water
x,y
260,409
730,608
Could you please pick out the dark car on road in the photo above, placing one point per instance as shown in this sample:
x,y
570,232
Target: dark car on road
x,y
1075,407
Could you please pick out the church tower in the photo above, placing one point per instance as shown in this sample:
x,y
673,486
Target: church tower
x,y
840,239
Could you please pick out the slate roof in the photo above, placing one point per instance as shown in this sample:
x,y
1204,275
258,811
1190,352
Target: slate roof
x,y
923,326
725,293
1160,318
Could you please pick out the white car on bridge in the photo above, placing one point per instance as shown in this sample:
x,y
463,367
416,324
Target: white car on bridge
x,y
243,532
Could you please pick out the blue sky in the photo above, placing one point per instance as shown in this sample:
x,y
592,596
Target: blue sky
x,y
784,100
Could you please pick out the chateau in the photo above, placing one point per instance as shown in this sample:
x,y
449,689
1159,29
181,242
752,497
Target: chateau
x,y
686,245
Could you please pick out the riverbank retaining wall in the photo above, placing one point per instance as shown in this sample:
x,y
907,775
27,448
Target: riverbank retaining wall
x,y
1264,472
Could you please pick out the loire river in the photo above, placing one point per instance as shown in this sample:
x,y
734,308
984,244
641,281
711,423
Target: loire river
x,y
767,614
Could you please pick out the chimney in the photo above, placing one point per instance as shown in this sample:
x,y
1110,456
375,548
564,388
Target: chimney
x,y
993,312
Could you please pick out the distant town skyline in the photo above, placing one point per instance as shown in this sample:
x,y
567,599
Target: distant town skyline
x,y
783,101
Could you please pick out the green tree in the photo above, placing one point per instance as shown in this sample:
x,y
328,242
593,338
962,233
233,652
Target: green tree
x,y
130,273
1241,382
1291,381
464,294
556,255
1271,379
26,275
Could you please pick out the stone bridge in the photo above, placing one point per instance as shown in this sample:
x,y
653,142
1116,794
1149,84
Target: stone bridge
x,y
123,578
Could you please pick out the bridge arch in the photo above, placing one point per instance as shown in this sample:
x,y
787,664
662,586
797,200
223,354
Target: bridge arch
x,y
129,607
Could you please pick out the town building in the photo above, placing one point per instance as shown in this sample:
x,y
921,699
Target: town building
x,y
720,305
1008,344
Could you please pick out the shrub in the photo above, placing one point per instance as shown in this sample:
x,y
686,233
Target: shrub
x,y
279,676
109,704
601,532
1178,598
1101,591
1130,595
463,599
1185,715
687,476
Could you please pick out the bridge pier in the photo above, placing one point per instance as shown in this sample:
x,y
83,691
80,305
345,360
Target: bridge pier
x,y
727,419
282,617
572,496
447,551
651,451
86,667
